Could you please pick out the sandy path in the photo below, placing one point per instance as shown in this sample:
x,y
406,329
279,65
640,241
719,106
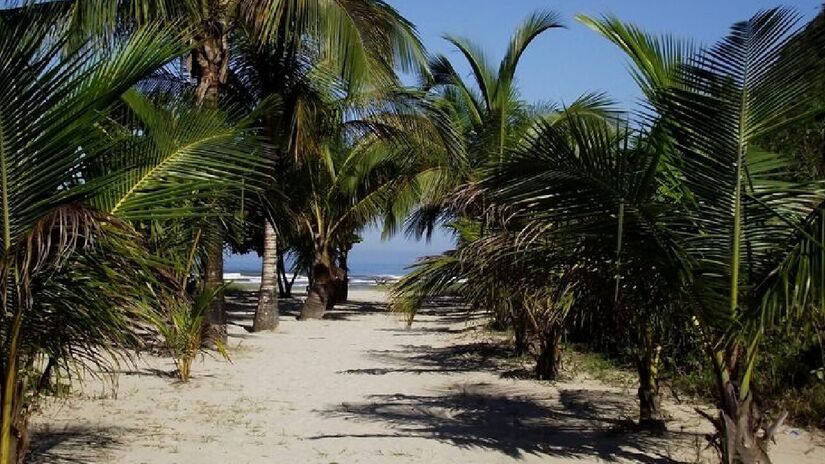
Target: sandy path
x,y
359,388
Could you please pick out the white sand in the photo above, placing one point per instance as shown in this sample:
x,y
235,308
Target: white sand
x,y
359,388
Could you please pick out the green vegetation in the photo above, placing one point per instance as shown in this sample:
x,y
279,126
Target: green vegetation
x,y
139,140
674,226
185,333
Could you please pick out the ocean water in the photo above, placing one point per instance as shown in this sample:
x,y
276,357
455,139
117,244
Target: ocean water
x,y
246,269
372,260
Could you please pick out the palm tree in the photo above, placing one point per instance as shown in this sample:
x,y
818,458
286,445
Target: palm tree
x,y
280,52
584,196
488,112
494,121
364,156
75,280
48,109
752,225
746,235
363,41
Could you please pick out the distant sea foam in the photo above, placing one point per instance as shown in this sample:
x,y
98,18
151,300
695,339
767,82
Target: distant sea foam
x,y
384,269
301,281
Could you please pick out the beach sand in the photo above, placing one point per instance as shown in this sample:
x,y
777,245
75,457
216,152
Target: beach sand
x,y
361,388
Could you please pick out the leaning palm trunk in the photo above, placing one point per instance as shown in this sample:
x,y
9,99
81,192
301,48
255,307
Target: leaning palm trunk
x,y
266,314
321,293
14,428
285,283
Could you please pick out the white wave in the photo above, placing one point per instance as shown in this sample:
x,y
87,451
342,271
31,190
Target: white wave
x,y
301,281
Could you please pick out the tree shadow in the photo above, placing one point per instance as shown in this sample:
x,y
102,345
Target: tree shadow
x,y
469,357
146,372
73,445
241,306
348,311
584,424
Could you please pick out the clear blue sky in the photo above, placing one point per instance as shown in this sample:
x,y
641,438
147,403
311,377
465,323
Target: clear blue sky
x,y
560,65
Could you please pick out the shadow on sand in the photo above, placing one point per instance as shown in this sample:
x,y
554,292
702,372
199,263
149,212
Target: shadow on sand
x,y
74,445
241,305
586,424
582,424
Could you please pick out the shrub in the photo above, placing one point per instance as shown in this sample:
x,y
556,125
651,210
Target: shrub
x,y
185,333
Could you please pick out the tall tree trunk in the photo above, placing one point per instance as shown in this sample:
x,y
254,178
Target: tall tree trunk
x,y
216,313
210,67
342,282
321,294
289,282
650,409
279,278
521,343
210,62
548,363
266,314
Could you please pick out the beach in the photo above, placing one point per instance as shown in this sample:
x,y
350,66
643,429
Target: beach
x,y
360,387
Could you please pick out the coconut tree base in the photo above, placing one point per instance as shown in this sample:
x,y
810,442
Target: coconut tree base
x,y
315,305
548,363
651,418
266,316
739,432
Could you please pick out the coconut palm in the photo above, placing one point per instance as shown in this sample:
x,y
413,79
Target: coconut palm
x,y
749,216
76,279
585,196
494,121
362,156
362,43
48,109
488,111
746,233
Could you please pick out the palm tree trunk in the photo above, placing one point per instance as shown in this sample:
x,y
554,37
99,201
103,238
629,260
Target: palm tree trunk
x,y
342,282
210,66
739,426
14,438
279,276
548,364
321,294
521,343
216,313
288,282
210,63
740,420
266,314
650,410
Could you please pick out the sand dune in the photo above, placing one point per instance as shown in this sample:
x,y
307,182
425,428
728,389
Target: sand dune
x,y
360,388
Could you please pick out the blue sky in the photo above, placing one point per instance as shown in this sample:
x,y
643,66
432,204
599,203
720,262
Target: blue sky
x,y
559,66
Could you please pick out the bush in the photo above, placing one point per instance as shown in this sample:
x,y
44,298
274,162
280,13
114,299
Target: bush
x,y
184,332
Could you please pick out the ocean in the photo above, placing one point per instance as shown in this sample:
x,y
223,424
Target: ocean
x,y
246,269
371,261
